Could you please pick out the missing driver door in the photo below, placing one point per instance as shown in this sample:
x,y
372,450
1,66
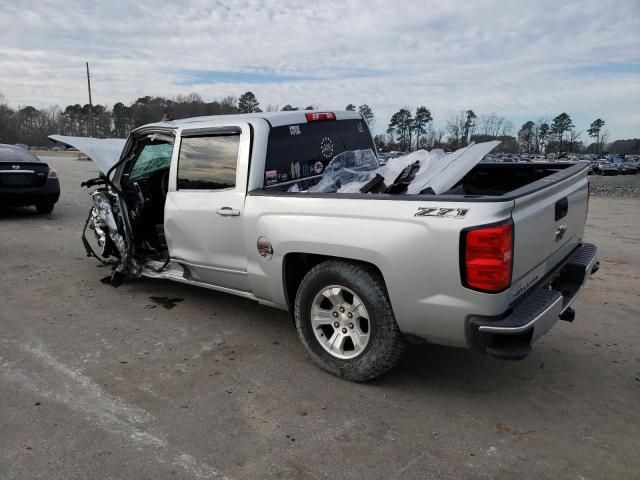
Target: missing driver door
x,y
204,208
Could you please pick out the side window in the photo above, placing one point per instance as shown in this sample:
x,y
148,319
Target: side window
x,y
208,163
151,159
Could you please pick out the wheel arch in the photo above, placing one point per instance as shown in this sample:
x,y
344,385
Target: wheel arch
x,y
295,265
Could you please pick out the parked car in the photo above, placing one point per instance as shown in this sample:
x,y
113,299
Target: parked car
x,y
607,168
25,180
627,168
207,202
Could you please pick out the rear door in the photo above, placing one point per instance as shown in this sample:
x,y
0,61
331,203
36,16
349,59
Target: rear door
x,y
204,208
548,224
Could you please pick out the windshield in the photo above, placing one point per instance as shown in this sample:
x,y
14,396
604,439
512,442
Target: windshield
x,y
303,151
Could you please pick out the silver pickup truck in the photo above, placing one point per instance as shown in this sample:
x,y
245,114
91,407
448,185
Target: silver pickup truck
x,y
491,264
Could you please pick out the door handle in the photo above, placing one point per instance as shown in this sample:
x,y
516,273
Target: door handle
x,y
228,212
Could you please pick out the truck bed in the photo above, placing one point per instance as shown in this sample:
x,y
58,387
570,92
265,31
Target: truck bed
x,y
485,182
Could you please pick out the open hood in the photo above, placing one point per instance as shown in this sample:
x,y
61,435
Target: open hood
x,y
105,152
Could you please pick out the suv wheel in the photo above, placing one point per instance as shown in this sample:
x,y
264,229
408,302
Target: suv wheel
x,y
345,321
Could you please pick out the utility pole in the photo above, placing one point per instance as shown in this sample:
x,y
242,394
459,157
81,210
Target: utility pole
x,y
90,103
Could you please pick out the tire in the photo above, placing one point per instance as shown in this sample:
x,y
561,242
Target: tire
x,y
45,207
384,343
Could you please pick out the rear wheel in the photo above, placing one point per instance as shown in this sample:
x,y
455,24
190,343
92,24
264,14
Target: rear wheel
x,y
345,321
45,207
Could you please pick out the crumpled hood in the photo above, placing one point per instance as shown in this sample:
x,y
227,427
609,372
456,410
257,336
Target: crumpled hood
x,y
105,152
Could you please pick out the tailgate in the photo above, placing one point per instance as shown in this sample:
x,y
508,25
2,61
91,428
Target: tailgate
x,y
548,223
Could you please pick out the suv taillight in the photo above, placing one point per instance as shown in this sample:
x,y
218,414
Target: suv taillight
x,y
487,257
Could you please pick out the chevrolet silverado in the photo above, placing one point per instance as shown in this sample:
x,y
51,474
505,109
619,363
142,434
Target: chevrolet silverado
x,y
228,203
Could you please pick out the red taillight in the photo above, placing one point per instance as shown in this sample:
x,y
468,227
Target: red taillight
x,y
488,257
320,116
52,173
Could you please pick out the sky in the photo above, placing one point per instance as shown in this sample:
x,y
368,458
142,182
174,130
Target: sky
x,y
523,60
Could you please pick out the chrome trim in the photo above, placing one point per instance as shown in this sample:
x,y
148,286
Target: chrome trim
x,y
521,328
178,278
206,267
17,171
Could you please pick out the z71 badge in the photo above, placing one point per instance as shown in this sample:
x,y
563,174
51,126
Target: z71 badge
x,y
441,212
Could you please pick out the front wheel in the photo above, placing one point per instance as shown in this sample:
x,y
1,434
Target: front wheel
x,y
345,321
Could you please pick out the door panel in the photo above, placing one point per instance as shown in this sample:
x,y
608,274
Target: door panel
x,y
204,208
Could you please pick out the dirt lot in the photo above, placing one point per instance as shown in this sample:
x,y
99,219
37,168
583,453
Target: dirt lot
x,y
616,185
103,382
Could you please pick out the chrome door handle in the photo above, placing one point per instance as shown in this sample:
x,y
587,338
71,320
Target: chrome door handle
x,y
228,212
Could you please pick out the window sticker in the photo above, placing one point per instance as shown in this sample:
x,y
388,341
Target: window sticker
x,y
271,177
360,127
295,170
326,147
294,130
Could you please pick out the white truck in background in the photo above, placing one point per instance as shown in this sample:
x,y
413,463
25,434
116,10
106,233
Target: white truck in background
x,y
490,264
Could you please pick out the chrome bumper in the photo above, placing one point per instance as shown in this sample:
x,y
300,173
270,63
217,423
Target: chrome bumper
x,y
511,335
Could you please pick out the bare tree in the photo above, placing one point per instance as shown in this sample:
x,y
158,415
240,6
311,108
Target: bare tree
x,y
456,127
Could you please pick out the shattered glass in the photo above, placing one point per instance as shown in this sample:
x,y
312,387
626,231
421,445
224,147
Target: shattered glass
x,y
352,166
152,158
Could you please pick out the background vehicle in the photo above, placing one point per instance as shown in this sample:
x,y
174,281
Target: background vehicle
x,y
490,264
25,180
607,168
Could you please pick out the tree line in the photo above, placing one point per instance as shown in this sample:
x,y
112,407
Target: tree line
x,y
407,130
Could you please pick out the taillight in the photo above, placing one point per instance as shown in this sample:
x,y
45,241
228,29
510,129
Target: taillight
x,y
52,173
320,116
487,257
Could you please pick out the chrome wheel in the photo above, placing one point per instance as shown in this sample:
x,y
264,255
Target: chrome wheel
x,y
340,322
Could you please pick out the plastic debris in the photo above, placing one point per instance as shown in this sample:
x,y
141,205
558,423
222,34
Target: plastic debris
x,y
347,168
422,171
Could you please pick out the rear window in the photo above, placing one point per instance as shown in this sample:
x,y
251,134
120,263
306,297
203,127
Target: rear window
x,y
9,153
302,151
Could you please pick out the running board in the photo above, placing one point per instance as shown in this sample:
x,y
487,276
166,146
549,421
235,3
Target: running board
x,y
174,271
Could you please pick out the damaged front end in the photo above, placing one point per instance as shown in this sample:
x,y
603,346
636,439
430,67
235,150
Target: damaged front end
x,y
107,224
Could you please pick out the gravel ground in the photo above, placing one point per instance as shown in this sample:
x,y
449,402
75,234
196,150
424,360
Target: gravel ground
x,y
616,185
102,382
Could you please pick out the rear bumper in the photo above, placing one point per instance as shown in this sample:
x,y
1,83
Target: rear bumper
x,y
511,334
21,196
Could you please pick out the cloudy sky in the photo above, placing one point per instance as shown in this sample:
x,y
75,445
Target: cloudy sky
x,y
522,60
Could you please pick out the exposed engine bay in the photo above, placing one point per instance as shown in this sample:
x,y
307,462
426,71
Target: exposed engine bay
x,y
127,217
